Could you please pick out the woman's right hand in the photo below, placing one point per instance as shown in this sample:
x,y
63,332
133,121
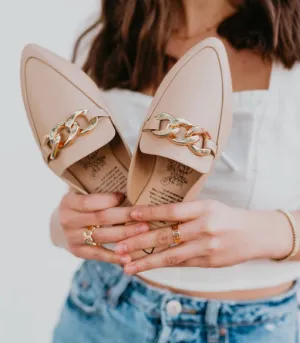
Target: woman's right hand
x,y
76,212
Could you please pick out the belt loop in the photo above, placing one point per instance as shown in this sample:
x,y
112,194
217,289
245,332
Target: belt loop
x,y
166,330
211,320
115,291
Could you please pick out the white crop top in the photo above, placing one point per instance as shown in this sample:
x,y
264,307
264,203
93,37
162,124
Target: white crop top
x,y
259,169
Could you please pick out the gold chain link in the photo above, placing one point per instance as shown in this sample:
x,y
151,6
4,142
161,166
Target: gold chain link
x,y
191,137
54,139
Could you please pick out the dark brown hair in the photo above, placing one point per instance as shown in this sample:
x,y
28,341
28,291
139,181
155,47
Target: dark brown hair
x,y
129,48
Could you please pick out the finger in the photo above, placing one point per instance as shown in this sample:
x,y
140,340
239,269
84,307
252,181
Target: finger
x,y
158,238
109,234
111,216
141,253
167,258
184,211
100,254
92,202
201,262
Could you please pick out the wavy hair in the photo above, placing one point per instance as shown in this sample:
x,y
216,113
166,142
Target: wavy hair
x,y
128,50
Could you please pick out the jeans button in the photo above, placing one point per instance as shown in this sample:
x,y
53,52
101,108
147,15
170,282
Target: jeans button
x,y
173,308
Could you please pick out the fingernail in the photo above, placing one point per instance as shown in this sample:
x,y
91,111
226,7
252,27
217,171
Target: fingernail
x,y
121,249
142,228
130,269
136,214
125,259
120,196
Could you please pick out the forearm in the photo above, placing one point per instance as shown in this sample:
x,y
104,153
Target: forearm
x,y
274,233
56,232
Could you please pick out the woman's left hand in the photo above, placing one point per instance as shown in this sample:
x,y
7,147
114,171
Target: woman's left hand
x,y
213,235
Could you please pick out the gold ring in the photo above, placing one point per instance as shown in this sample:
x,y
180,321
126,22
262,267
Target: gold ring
x,y
176,234
88,236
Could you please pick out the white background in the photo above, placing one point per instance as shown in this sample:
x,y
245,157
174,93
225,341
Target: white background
x,y
34,276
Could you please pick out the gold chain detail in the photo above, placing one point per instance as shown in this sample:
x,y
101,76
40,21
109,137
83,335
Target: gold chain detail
x,y
191,137
54,139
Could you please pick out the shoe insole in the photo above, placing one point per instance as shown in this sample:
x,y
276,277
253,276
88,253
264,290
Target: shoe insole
x,y
101,172
169,183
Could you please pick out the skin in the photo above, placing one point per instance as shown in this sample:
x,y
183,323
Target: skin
x,y
213,234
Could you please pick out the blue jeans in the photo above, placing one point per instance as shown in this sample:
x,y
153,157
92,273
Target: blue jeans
x,y
107,306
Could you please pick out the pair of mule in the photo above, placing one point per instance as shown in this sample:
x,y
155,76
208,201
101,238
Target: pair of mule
x,y
186,128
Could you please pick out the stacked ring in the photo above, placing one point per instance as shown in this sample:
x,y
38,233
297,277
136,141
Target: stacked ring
x,y
176,234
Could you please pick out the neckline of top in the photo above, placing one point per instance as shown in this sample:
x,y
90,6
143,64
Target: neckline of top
x,y
244,93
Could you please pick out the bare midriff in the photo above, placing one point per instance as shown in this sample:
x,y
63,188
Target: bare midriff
x,y
243,295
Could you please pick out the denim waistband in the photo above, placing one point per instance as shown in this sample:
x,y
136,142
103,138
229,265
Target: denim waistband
x,y
176,308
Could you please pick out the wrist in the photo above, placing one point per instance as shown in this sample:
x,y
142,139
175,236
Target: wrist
x,y
272,234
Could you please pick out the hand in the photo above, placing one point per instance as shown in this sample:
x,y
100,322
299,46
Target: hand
x,y
213,235
77,211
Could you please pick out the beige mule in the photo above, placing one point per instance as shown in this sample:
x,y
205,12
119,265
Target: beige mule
x,y
187,127
77,135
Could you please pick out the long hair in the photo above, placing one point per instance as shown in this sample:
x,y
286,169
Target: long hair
x,y
128,50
